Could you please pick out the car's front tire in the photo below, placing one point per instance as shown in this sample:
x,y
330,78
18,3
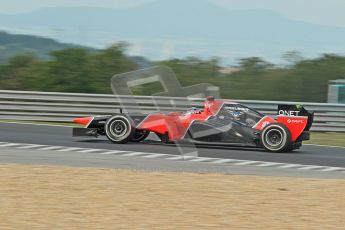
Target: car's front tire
x,y
276,137
119,129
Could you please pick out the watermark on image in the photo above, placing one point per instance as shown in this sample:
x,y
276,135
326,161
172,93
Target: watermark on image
x,y
173,98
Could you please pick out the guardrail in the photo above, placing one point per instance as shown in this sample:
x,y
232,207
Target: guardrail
x,y
63,107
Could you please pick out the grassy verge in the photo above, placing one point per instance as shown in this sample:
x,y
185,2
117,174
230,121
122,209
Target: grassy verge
x,y
44,123
334,139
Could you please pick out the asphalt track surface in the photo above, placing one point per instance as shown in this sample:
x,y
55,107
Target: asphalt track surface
x,y
61,136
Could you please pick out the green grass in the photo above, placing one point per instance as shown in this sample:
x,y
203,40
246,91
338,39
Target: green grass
x,y
44,123
334,139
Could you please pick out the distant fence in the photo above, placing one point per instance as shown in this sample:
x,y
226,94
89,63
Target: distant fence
x,y
63,107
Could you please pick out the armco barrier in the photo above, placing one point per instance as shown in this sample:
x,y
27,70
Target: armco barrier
x,y
63,107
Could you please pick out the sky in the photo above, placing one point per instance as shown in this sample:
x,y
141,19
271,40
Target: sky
x,y
324,12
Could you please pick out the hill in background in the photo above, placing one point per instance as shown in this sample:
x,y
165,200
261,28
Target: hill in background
x,y
12,45
175,28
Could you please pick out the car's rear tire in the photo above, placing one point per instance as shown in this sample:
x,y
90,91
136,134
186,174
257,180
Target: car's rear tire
x,y
119,129
140,136
276,137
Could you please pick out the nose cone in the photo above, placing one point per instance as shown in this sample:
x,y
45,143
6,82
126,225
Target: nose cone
x,y
83,120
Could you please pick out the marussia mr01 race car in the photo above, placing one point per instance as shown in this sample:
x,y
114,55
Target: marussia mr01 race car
x,y
220,122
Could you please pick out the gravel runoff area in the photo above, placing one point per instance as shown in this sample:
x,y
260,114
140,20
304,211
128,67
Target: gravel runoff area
x,y
49,197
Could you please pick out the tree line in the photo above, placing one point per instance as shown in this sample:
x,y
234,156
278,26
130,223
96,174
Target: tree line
x,y
80,70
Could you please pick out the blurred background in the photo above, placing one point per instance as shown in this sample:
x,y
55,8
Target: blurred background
x,y
254,50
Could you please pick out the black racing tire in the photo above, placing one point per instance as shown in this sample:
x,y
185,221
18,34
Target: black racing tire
x,y
119,129
140,136
276,137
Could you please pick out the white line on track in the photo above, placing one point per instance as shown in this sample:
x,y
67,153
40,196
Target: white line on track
x,y
247,163
132,154
287,166
201,159
51,148
90,150
330,169
311,167
30,146
155,155
113,152
9,145
69,149
268,164
180,158
221,161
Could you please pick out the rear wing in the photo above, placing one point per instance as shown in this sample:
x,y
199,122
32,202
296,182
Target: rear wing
x,y
296,111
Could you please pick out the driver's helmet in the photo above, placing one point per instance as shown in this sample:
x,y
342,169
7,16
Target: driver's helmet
x,y
194,110
208,104
210,98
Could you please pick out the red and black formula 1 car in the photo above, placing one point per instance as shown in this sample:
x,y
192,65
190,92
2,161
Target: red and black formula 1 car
x,y
220,122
